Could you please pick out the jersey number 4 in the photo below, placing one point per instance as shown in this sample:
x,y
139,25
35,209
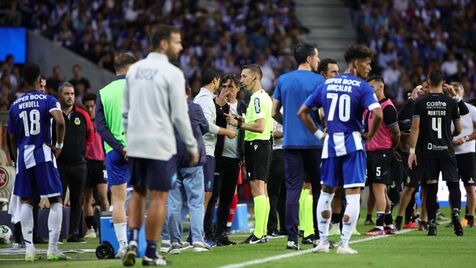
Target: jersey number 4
x,y
31,122
436,126
344,106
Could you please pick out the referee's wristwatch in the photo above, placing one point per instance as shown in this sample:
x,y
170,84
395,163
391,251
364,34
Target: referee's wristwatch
x,y
59,146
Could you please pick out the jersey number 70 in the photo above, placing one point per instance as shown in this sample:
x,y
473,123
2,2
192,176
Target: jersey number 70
x,y
344,106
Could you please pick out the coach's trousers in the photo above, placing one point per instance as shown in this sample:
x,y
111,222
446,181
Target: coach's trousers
x,y
276,192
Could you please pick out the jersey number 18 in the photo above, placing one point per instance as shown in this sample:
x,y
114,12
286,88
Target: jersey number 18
x,y
31,122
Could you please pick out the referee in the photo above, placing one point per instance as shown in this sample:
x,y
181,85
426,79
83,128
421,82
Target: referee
x,y
258,126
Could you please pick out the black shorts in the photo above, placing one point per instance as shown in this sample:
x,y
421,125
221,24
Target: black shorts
x,y
466,170
258,159
411,176
379,167
153,174
432,167
95,173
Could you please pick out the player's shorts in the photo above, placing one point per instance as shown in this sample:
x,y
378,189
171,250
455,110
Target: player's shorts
x,y
466,168
258,159
411,177
95,173
380,167
117,168
42,179
153,174
347,170
433,166
209,173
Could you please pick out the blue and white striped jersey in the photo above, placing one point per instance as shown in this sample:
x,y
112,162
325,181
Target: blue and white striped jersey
x,y
344,99
30,121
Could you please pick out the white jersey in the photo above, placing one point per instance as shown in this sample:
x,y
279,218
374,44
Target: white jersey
x,y
467,122
205,99
230,149
155,102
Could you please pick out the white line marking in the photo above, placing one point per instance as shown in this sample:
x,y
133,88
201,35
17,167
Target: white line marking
x,y
302,252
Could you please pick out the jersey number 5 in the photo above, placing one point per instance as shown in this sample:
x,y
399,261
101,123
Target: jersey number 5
x,y
436,126
344,106
31,122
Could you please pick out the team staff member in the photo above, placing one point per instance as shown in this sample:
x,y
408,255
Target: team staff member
x,y
228,155
72,162
154,104
109,123
258,126
302,151
431,147
95,177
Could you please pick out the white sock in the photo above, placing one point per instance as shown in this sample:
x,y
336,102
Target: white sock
x,y
121,234
54,225
352,211
324,204
26,220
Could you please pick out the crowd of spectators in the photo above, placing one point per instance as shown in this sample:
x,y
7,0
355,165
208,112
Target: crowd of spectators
x,y
410,37
222,34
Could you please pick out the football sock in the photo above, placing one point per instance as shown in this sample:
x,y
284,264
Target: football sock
x,y
455,194
266,215
26,219
308,216
133,234
260,209
121,234
431,202
369,217
54,225
389,220
324,204
151,250
352,211
302,200
380,220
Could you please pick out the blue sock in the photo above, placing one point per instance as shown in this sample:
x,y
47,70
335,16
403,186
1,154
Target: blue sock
x,y
151,250
133,234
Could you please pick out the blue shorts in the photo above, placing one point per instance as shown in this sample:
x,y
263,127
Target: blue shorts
x,y
153,174
209,173
42,179
347,170
117,168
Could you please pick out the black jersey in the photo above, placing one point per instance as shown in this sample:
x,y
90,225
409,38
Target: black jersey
x,y
405,116
436,112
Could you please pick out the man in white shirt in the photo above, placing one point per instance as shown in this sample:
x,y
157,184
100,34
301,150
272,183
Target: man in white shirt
x,y
154,103
464,146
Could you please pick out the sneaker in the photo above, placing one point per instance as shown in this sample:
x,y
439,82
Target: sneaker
x,y
441,217
369,222
199,246
228,230
346,250
274,234
18,245
423,226
252,239
211,243
464,222
321,248
164,246
90,234
399,223
389,230
335,230
57,256
30,257
175,248
375,232
458,230
292,245
431,229
185,245
410,225
129,258
156,261
223,240
355,232
264,239
308,240
74,238
121,252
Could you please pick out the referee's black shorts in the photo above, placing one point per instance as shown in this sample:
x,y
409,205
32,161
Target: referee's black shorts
x,y
258,159
466,168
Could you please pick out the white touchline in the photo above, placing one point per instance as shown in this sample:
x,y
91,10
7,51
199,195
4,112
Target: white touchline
x,y
302,252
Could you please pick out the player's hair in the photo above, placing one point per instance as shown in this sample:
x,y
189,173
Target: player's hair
x,y
302,51
31,72
123,60
254,68
233,78
376,78
435,77
324,65
457,84
161,32
208,75
63,86
357,52
90,97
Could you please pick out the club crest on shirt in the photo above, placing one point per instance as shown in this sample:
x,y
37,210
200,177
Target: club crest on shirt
x,y
257,106
4,178
77,121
